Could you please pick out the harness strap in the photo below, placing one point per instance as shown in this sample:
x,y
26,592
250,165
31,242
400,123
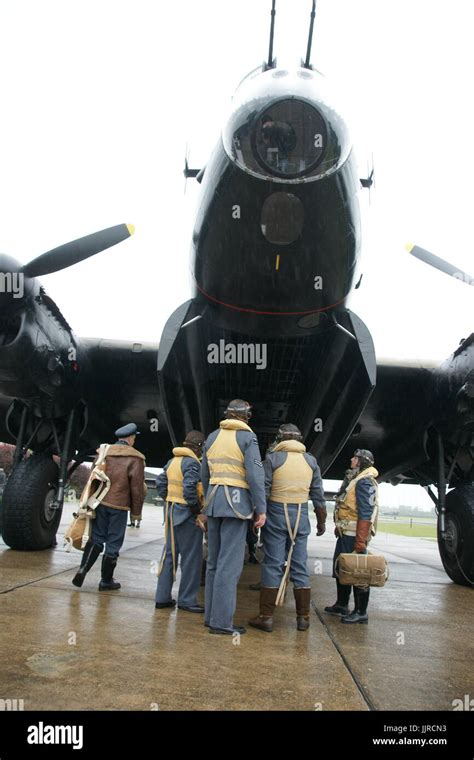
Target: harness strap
x,y
284,581
229,501
90,501
168,527
87,532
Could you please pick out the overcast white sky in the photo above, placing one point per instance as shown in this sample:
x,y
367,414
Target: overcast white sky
x,y
99,98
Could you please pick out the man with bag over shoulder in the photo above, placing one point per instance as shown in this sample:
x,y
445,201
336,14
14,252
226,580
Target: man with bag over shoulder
x,y
355,516
125,467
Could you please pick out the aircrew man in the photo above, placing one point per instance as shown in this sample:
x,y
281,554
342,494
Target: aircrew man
x,y
233,481
179,484
292,476
125,466
355,516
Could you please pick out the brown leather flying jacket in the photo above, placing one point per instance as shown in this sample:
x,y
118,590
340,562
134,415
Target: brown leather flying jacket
x,y
125,467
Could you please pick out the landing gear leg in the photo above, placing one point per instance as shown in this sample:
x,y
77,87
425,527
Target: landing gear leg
x,y
455,526
34,494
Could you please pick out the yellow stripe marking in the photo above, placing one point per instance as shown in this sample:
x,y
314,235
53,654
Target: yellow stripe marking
x,y
277,265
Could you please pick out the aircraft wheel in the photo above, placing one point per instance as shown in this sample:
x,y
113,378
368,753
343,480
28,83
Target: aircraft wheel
x,y
457,549
29,520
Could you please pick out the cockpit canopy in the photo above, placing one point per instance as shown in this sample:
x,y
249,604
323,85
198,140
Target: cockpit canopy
x,y
283,129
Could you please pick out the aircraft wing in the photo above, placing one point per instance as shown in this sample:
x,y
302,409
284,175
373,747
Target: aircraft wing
x,y
122,387
394,423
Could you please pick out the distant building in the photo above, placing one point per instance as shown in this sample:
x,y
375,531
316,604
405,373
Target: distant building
x,y
150,480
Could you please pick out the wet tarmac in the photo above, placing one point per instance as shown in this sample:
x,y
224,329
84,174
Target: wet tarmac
x,y
64,648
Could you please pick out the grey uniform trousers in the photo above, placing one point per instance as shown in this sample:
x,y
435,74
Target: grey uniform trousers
x,y
188,548
226,551
277,543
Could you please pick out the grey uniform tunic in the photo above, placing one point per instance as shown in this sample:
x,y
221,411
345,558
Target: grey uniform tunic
x,y
227,531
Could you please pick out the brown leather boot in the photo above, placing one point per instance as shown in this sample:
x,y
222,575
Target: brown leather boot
x,y
264,621
302,599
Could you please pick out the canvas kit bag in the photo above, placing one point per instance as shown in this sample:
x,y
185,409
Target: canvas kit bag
x,y
96,488
362,569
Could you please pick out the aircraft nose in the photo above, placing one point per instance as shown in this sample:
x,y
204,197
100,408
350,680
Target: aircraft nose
x,y
286,126
287,140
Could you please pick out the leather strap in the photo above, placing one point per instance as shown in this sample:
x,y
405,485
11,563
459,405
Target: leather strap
x,y
168,527
284,581
90,501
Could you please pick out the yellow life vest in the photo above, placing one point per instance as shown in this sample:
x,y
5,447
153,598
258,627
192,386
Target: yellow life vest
x,y
346,513
225,458
291,481
174,474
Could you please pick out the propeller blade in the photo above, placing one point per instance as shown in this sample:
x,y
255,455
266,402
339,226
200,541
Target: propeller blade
x,y
77,250
437,263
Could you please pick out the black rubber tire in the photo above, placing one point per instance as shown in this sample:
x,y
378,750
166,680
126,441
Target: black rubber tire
x,y
27,524
460,536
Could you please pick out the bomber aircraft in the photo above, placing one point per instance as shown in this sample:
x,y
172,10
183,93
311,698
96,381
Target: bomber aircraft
x,y
275,255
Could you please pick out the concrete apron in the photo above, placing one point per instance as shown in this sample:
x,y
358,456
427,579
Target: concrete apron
x,y
65,648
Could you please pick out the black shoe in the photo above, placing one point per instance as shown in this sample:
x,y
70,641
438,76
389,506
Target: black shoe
x,y
302,623
78,579
337,609
163,605
228,631
359,615
91,552
356,617
109,585
192,608
108,582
